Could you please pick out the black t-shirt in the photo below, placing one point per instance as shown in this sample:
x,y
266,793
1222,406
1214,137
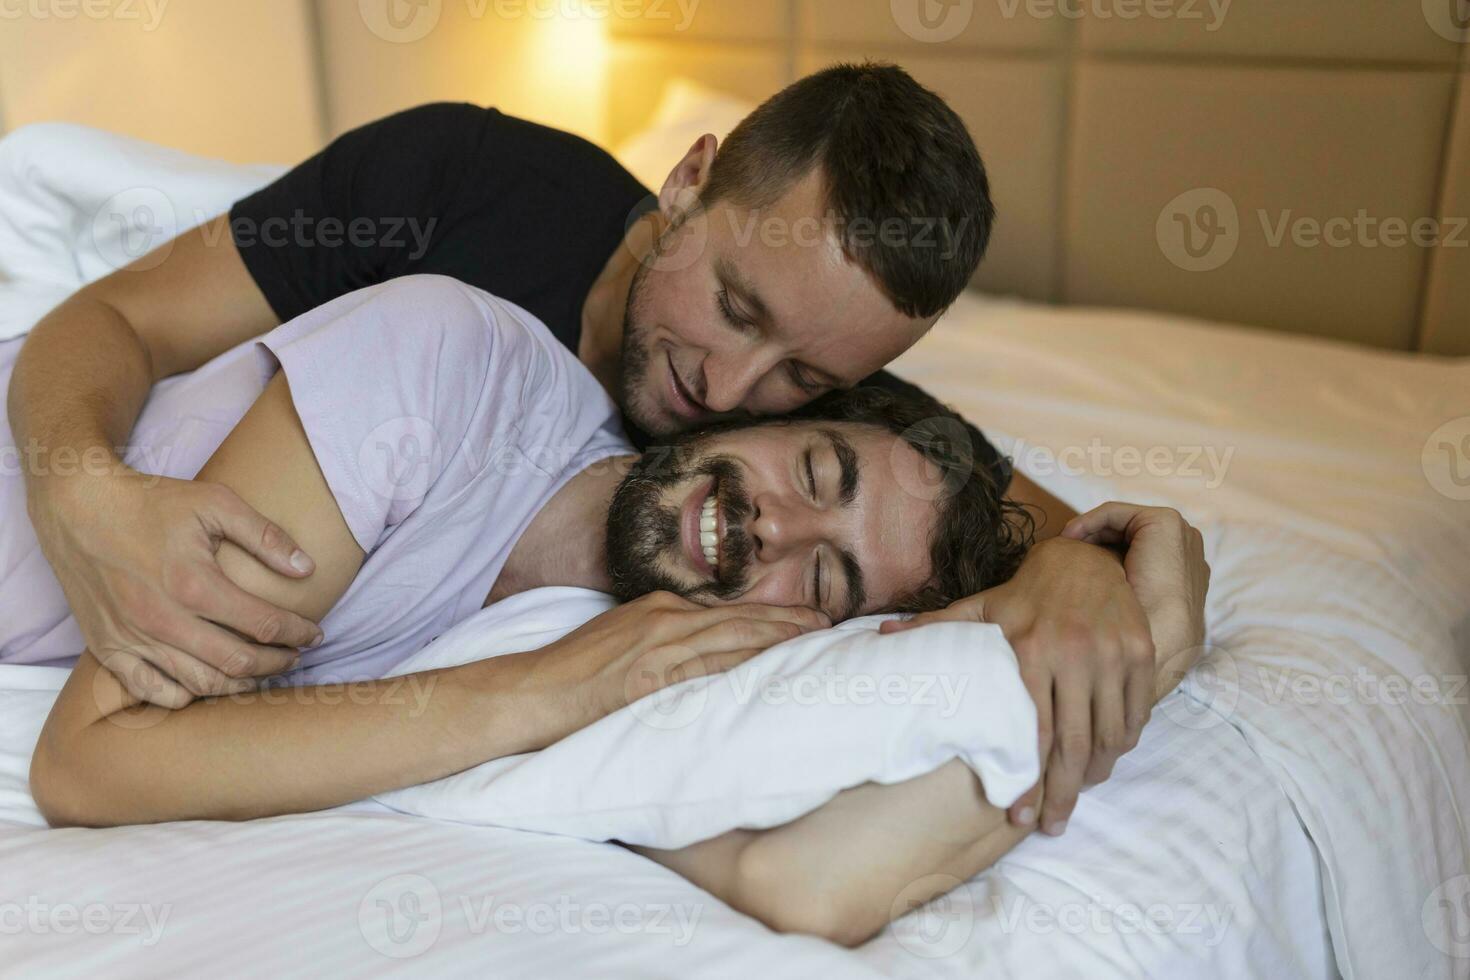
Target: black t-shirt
x,y
526,212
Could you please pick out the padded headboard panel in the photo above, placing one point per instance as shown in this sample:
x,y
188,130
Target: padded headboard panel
x,y
1300,165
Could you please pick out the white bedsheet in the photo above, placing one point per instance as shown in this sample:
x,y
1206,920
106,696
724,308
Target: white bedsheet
x,y
1332,554
1339,609
1190,833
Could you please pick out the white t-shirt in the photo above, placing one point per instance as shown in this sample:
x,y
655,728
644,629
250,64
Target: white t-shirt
x,y
443,418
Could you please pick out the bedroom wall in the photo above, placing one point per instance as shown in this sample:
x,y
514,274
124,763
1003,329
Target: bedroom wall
x,y
232,80
1303,139
272,80
542,62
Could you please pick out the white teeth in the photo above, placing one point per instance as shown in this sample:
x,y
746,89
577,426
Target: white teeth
x,y
709,541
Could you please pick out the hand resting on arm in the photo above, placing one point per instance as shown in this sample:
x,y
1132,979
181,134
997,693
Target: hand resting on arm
x,y
135,555
1086,625
874,853
104,758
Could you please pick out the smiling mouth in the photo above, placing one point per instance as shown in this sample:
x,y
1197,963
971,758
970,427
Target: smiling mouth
x,y
684,400
704,530
709,530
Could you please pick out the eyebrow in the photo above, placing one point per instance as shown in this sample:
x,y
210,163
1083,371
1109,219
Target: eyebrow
x,y
848,463
738,284
850,467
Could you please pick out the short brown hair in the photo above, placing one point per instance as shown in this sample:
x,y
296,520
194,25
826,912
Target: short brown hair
x,y
895,157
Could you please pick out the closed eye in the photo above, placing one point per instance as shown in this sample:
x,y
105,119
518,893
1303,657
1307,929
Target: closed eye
x,y
802,380
811,482
727,310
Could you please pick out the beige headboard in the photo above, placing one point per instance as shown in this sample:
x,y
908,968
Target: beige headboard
x,y
1303,145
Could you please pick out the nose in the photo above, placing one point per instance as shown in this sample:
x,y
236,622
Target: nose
x,y
781,526
730,377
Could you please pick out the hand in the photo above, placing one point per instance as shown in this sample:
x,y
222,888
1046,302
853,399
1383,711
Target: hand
x,y
1165,564
1086,656
135,556
659,640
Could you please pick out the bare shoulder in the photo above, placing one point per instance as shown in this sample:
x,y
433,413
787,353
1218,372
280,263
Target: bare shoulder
x,y
268,461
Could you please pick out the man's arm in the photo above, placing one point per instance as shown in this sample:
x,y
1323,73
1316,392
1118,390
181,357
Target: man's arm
x,y
869,855
874,853
1091,630
1084,621
105,759
1080,636
135,556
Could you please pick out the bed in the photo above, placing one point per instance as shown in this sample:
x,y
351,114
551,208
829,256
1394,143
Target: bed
x,y
1285,814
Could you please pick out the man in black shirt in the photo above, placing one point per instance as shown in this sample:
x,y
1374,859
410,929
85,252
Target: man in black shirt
x,y
818,243
532,214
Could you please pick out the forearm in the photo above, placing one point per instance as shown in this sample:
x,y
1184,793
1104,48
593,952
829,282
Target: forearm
x,y
78,386
871,854
105,760
1178,637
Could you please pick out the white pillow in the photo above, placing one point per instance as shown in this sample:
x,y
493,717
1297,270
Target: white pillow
x,y
686,112
758,747
78,203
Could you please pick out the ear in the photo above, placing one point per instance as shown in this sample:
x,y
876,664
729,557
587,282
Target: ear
x,y
686,181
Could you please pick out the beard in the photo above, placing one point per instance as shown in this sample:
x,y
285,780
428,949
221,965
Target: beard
x,y
634,383
644,539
